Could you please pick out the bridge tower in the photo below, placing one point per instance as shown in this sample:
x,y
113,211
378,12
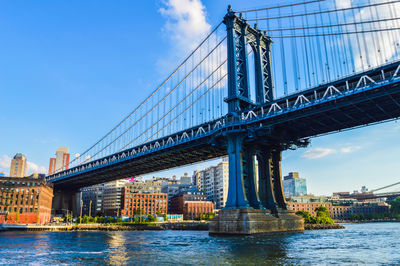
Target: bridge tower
x,y
248,209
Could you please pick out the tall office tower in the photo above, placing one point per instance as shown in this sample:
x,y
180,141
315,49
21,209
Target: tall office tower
x,y
61,162
18,166
196,179
293,185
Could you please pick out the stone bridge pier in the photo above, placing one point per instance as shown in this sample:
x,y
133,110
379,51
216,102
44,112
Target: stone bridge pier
x,y
249,210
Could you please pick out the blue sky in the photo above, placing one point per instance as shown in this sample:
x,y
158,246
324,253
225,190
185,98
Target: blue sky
x,y
71,70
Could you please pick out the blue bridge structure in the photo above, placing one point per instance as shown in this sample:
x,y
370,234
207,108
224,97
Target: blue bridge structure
x,y
250,92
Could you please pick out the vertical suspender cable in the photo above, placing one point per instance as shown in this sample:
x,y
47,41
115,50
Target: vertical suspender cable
x,y
324,45
283,58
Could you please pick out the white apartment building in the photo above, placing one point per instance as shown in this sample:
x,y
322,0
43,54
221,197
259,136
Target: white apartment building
x,y
213,181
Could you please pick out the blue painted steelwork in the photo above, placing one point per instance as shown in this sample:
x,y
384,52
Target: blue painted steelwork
x,y
263,117
247,129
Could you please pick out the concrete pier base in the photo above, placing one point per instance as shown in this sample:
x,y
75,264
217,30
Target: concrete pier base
x,y
254,221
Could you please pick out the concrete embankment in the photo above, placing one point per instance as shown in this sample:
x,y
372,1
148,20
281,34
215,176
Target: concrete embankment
x,y
322,226
194,226
108,227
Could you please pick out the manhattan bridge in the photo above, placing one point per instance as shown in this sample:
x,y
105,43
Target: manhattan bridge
x,y
261,82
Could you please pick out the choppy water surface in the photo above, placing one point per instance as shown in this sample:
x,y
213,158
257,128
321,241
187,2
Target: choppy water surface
x,y
372,243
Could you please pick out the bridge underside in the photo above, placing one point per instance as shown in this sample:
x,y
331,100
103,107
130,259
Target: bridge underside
x,y
341,114
352,111
153,162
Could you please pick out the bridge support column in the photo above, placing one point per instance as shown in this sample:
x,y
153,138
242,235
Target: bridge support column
x,y
236,192
250,178
270,180
244,213
276,172
265,181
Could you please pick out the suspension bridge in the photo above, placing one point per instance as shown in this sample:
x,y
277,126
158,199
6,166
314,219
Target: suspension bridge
x,y
301,70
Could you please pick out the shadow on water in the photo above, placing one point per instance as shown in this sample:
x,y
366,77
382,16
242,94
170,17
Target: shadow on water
x,y
255,249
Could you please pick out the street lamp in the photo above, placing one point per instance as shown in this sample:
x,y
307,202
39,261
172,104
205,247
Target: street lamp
x,y
80,217
90,209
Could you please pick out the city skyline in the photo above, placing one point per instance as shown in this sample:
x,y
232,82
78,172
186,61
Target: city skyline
x,y
108,62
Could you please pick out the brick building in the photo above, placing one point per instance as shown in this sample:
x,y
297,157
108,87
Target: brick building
x,y
25,200
191,204
150,203
193,209
339,212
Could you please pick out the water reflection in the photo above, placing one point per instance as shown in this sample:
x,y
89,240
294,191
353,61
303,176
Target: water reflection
x,y
117,254
357,244
257,249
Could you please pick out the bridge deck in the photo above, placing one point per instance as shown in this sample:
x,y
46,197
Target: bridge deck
x,y
359,100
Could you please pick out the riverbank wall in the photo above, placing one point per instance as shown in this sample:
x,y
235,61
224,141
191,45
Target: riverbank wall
x,y
322,226
196,226
190,226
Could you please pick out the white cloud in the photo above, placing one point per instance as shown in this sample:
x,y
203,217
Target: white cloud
x,y
5,164
316,153
343,4
349,149
186,23
34,168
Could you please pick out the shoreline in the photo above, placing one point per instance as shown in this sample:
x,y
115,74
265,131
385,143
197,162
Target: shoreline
x,y
184,226
308,227
194,226
371,221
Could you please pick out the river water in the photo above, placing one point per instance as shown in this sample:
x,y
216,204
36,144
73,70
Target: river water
x,y
369,243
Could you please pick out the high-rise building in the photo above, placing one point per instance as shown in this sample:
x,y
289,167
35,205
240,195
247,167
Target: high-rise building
x,y
196,179
294,186
214,182
61,162
113,197
18,166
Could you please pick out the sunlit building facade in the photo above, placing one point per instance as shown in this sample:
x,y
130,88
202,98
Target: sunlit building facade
x,y
25,200
18,166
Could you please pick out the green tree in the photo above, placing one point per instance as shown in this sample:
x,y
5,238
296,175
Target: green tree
x,y
323,216
308,218
85,219
17,217
165,216
395,206
207,216
68,218
151,218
